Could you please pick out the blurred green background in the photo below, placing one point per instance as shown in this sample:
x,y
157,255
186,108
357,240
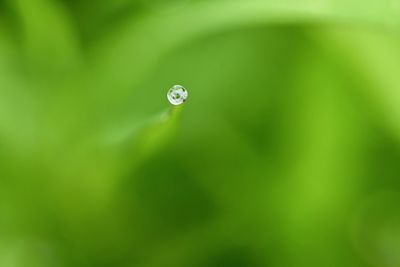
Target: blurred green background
x,y
286,154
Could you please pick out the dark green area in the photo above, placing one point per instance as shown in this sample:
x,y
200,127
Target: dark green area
x,y
287,152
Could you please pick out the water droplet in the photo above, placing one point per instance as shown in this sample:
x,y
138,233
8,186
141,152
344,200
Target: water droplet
x,y
177,95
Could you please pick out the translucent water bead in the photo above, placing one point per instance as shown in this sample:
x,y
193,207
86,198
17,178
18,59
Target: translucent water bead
x,y
177,95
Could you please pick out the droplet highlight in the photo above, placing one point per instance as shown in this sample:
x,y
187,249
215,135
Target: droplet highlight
x,y
177,95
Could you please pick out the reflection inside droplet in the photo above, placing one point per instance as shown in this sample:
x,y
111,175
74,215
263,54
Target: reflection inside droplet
x,y
177,95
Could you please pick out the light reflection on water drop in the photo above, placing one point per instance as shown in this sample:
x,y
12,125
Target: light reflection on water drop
x,y
177,95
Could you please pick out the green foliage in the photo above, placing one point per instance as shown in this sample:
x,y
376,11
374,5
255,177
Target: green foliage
x,y
287,152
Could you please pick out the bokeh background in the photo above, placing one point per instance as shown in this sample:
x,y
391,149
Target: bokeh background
x,y
286,154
